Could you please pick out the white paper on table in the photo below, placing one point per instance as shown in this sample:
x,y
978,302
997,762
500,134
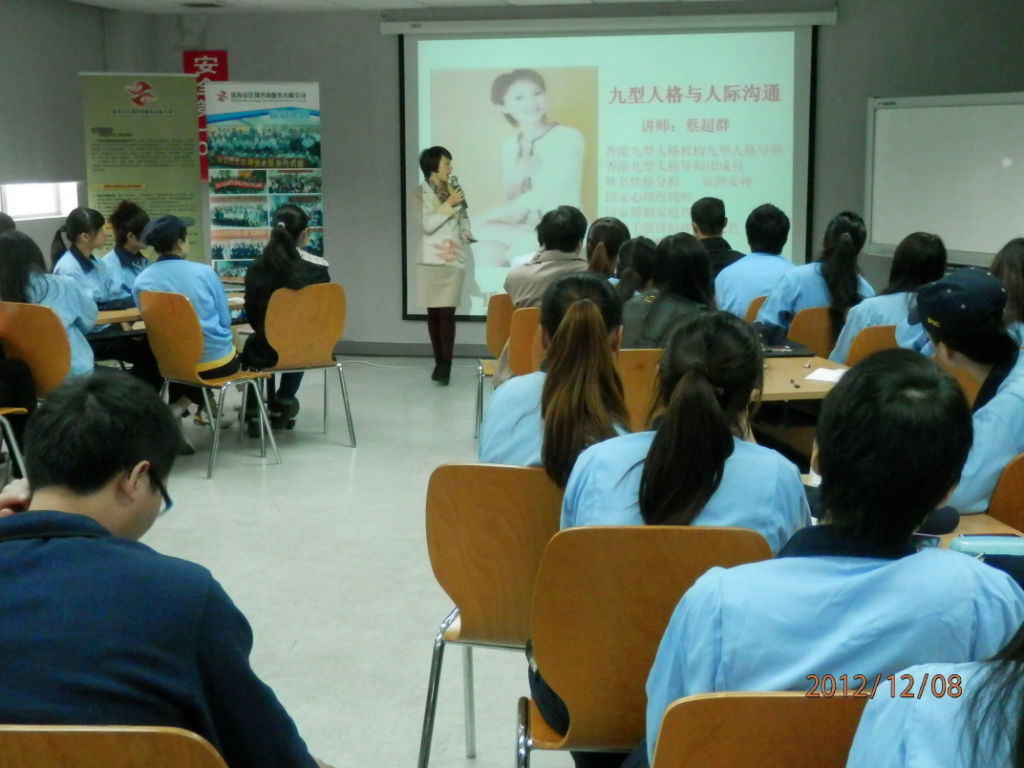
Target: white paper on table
x,y
826,374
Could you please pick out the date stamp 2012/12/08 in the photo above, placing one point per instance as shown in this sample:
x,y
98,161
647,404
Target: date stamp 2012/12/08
x,y
896,686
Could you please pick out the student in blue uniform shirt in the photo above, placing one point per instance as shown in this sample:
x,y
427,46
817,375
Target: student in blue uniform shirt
x,y
701,466
850,597
72,254
919,258
755,274
963,315
832,281
1008,266
126,261
546,418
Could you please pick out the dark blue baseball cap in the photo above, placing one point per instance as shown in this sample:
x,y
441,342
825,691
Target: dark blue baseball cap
x,y
166,226
961,303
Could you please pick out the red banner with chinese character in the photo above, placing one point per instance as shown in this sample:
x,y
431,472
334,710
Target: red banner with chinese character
x,y
205,65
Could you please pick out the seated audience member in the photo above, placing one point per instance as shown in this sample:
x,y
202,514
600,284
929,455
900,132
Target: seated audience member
x,y
755,274
104,630
126,261
707,217
605,237
1008,266
682,278
700,466
970,715
963,315
560,235
6,223
72,254
850,597
23,279
546,418
635,268
919,258
832,281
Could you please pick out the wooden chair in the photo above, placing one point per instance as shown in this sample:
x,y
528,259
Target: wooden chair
x,y
177,343
603,598
812,328
487,527
34,334
79,746
870,340
1007,502
757,730
754,308
12,444
499,318
302,327
523,338
639,371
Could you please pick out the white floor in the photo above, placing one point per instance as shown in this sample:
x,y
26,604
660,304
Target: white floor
x,y
326,556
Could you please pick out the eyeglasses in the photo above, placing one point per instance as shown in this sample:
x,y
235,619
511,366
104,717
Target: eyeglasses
x,y
168,503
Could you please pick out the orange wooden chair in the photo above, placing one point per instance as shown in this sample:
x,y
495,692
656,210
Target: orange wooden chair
x,y
487,527
754,308
757,730
1007,502
870,340
524,352
34,334
499,319
602,600
812,327
177,343
639,371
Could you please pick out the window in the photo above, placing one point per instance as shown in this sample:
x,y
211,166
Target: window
x,y
39,201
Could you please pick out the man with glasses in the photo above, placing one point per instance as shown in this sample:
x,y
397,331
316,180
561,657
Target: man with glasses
x,y
98,629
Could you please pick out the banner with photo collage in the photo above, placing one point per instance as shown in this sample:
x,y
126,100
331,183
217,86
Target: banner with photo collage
x,y
264,151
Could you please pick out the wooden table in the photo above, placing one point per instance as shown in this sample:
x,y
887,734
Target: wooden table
x,y
780,373
132,314
977,524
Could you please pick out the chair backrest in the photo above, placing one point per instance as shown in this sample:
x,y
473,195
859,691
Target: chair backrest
x,y
35,335
522,336
603,598
639,371
73,746
499,320
303,326
758,730
812,327
869,340
175,335
487,527
1007,502
753,308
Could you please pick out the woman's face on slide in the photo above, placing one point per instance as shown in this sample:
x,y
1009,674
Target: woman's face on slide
x,y
525,102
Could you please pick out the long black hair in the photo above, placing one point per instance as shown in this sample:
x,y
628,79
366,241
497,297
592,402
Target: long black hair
x,y
995,705
1008,266
682,266
287,226
918,259
20,258
635,266
81,221
604,240
844,237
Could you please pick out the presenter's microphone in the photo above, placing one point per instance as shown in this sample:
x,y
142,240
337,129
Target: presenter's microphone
x,y
453,182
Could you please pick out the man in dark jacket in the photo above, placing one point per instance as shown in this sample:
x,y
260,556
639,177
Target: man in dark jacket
x,y
707,217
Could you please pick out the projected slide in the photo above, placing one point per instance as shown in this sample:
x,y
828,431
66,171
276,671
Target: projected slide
x,y
632,126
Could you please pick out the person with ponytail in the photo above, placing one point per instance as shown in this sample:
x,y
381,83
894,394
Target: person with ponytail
x,y
546,418
1008,266
126,261
281,265
635,267
919,258
71,254
604,239
832,281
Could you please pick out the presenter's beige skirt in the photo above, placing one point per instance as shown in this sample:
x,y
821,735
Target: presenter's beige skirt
x,y
440,286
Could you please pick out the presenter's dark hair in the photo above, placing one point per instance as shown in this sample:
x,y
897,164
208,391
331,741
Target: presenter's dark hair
x,y
505,81
709,370
562,229
6,222
127,218
919,258
287,226
93,427
893,437
995,706
20,258
636,266
81,221
708,214
604,240
1008,266
582,400
430,159
682,266
844,237
767,229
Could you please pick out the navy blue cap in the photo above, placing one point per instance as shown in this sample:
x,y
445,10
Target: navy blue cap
x,y
962,302
168,225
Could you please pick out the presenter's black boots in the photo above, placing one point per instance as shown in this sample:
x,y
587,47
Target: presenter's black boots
x,y
443,372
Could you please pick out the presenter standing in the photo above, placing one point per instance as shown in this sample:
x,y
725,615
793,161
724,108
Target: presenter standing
x,y
445,252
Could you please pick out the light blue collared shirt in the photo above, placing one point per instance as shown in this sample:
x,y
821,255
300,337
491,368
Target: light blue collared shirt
x,y
760,489
745,279
889,309
512,430
124,277
97,281
801,288
767,626
76,310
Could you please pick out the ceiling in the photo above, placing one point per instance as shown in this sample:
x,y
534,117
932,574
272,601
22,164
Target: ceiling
x,y
245,6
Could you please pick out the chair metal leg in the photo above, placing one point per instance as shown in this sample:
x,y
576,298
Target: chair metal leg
x,y
467,695
12,448
265,422
348,407
325,401
164,390
478,416
523,734
214,425
432,684
241,413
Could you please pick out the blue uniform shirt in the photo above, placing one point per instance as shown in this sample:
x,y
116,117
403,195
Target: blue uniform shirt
x,y
801,288
744,280
890,309
512,430
760,489
77,313
91,273
766,626
123,267
200,284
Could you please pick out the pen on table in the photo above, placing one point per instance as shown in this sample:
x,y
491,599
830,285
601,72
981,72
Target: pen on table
x,y
794,383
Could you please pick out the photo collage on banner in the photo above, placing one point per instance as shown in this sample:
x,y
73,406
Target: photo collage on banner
x,y
264,151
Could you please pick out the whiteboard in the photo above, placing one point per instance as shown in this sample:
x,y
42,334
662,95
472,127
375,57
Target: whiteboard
x,y
951,165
